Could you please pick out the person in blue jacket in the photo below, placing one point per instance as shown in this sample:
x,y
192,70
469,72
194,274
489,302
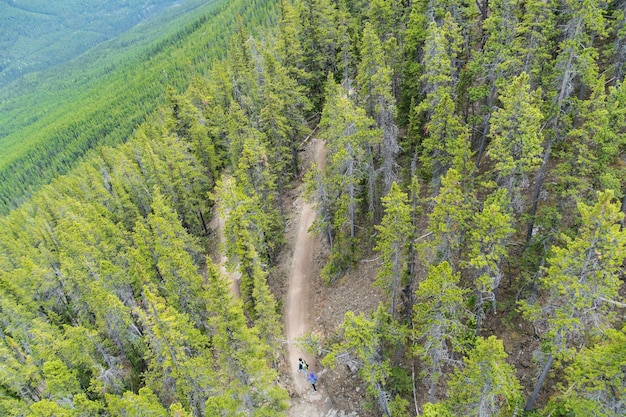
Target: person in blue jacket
x,y
312,379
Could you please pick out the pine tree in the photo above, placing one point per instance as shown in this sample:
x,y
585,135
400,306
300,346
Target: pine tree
x,y
487,238
591,150
319,40
446,141
576,61
538,29
135,405
249,385
581,281
349,133
515,139
282,121
179,365
596,384
439,321
499,59
487,385
366,338
619,51
168,253
449,220
374,80
394,233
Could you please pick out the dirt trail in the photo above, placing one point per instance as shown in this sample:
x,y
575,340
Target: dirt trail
x,y
306,402
234,277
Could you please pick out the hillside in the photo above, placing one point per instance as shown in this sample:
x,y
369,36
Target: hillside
x,y
37,35
422,199
49,120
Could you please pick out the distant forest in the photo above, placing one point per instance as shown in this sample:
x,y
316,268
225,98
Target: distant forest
x,y
477,147
38,34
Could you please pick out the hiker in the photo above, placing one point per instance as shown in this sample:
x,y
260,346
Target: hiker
x,y
302,366
313,380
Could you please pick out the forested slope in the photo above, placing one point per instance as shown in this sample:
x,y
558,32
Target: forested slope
x,y
477,147
39,34
50,120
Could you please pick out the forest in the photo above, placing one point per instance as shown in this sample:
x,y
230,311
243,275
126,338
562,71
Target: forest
x,y
49,120
477,148
38,34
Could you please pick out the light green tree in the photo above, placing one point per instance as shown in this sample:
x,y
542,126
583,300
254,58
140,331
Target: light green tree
x,y
576,66
486,248
449,220
499,60
366,339
486,385
515,146
439,315
581,283
596,384
145,402
394,233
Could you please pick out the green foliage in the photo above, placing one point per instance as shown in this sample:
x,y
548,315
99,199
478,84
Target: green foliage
x,y
486,246
136,405
515,144
394,235
438,317
40,35
449,220
367,338
487,385
596,384
42,131
109,307
581,278
349,136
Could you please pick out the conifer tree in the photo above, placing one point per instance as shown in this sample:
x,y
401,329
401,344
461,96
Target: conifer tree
x,y
394,233
515,139
449,220
576,61
366,338
486,386
374,80
538,29
319,40
282,121
135,405
179,365
596,384
619,49
591,149
446,141
439,321
168,253
242,358
349,133
581,282
499,59
487,238
288,42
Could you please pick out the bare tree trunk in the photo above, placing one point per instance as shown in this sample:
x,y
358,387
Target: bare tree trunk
x,y
624,210
539,385
538,186
483,137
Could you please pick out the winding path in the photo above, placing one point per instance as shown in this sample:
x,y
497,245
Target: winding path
x,y
306,402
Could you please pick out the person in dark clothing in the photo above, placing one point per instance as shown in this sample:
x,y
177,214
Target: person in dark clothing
x,y
303,366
